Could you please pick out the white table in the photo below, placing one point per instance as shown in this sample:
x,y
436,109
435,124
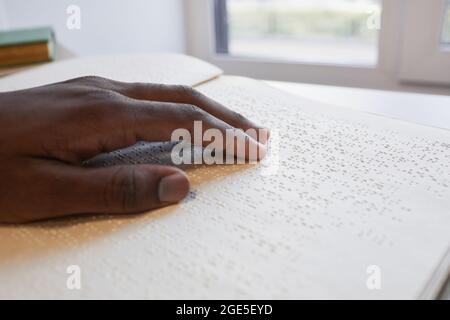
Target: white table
x,y
424,109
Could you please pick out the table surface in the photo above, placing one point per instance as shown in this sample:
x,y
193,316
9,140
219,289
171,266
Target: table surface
x,y
424,109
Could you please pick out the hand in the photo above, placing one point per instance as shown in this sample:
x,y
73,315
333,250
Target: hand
x,y
47,132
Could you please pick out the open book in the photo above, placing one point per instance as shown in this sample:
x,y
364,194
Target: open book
x,y
349,205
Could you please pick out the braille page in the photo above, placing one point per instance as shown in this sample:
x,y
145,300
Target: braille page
x,y
345,183
157,68
351,193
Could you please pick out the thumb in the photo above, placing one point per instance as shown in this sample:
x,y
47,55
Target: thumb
x,y
65,190
132,188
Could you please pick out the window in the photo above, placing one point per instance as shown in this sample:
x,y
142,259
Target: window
x,y
316,31
425,57
386,44
446,26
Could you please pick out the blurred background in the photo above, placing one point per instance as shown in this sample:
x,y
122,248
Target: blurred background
x,y
107,26
327,31
390,44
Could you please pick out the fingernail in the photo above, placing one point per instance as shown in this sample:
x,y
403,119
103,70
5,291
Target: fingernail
x,y
260,134
253,152
257,151
264,135
173,188
262,151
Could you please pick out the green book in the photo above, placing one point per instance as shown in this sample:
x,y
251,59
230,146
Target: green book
x,y
26,46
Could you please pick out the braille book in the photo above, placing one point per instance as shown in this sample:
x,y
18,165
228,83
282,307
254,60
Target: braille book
x,y
346,205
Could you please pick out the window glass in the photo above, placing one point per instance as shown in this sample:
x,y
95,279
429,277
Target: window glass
x,y
316,31
446,26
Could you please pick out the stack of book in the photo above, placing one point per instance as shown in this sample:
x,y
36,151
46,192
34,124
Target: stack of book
x,y
26,46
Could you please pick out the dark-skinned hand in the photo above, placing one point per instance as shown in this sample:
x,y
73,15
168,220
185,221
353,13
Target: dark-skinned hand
x,y
46,133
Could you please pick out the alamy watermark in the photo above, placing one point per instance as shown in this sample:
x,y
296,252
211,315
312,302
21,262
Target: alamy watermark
x,y
73,21
232,146
73,281
373,281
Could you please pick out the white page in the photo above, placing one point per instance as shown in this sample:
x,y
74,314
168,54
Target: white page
x,y
159,68
379,212
367,190
308,231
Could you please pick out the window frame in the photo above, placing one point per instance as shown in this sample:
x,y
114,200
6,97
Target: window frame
x,y
222,38
221,26
424,57
201,42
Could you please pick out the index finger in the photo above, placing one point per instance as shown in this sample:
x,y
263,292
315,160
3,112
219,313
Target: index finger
x,y
186,95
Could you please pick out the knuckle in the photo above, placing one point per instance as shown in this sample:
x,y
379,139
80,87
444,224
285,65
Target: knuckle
x,y
239,117
90,80
193,112
98,95
134,88
100,101
185,90
122,191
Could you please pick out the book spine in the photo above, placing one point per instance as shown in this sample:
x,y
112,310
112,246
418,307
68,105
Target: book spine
x,y
25,54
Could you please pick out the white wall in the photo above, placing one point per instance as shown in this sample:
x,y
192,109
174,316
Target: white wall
x,y
2,15
107,26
